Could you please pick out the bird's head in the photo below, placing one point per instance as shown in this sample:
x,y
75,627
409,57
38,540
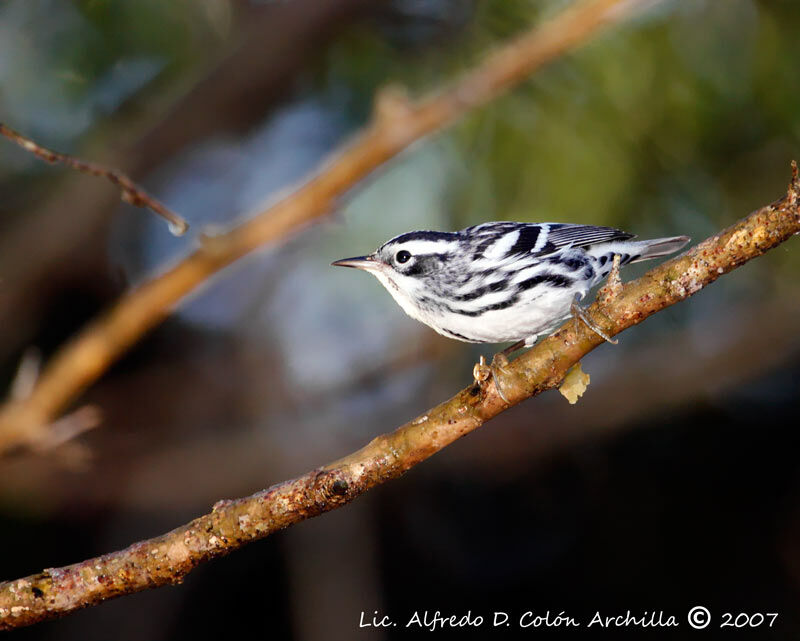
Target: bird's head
x,y
406,264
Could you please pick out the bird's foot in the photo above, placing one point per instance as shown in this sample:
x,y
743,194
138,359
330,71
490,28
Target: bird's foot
x,y
580,312
483,372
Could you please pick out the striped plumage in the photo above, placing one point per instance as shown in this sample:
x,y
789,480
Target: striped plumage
x,y
501,281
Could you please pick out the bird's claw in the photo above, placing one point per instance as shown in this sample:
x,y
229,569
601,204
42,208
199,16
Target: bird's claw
x,y
580,313
483,372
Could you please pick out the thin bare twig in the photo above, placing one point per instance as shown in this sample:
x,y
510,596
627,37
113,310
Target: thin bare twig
x,y
131,192
167,559
397,123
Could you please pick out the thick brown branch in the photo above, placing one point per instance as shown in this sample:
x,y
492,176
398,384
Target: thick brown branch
x,y
396,125
231,524
131,192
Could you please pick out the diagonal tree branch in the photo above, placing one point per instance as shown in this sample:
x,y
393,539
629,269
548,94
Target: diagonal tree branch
x,y
397,123
167,559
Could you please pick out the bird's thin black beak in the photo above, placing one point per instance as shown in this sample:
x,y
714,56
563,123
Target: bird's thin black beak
x,y
359,262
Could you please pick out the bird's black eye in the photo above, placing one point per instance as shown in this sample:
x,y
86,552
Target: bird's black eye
x,y
402,256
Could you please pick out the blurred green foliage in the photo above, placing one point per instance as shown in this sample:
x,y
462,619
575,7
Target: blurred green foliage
x,y
65,65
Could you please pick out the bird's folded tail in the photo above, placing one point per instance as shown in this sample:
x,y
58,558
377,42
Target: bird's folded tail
x,y
633,251
658,247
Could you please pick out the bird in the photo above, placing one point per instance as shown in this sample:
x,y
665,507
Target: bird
x,y
500,282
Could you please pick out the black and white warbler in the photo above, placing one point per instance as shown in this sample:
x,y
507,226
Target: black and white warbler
x,y
502,281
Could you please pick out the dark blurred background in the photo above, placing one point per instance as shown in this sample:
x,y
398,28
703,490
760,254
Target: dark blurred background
x,y
674,482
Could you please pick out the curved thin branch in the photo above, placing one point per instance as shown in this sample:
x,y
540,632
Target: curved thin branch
x,y
131,192
168,558
397,123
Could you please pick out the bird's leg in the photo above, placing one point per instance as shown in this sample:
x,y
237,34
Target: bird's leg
x,y
502,357
613,286
607,293
579,312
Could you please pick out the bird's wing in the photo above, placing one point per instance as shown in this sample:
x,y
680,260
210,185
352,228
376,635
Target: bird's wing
x,y
562,235
505,239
